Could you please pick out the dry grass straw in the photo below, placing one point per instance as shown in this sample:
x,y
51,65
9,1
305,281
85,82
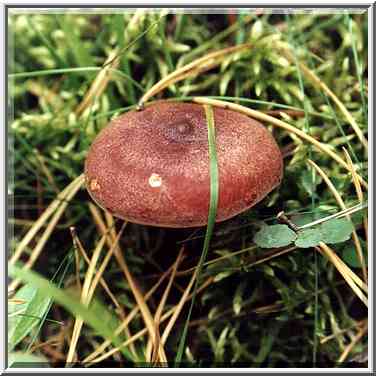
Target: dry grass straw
x,y
267,257
213,261
99,84
281,124
103,266
61,198
81,250
342,331
144,309
178,309
340,214
141,301
342,205
336,331
192,69
358,189
349,276
84,299
142,332
92,278
362,331
43,165
76,259
112,242
321,85
56,210
132,314
157,317
217,38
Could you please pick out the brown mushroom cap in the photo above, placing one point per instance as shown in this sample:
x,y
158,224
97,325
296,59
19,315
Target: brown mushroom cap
x,y
152,166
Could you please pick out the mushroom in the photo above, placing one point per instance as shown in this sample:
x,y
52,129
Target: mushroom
x,y
152,166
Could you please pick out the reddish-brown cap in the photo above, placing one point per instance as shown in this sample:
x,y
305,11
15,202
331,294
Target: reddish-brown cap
x,y
152,166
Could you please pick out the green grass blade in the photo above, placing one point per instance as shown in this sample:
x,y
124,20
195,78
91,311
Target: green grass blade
x,y
36,304
78,49
214,190
241,23
134,41
20,359
358,68
119,25
62,270
166,52
52,49
96,316
306,128
24,317
47,72
268,103
324,96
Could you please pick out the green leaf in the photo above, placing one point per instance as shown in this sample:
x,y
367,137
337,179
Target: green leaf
x,y
24,317
20,359
237,301
336,230
274,236
77,47
225,80
258,88
350,257
309,181
45,40
302,219
308,238
97,316
256,30
221,275
358,217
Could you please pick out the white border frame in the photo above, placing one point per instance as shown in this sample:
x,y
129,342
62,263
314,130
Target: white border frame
x,y
216,4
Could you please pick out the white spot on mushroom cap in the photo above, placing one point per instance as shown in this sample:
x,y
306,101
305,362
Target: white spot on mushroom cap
x,y
155,180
